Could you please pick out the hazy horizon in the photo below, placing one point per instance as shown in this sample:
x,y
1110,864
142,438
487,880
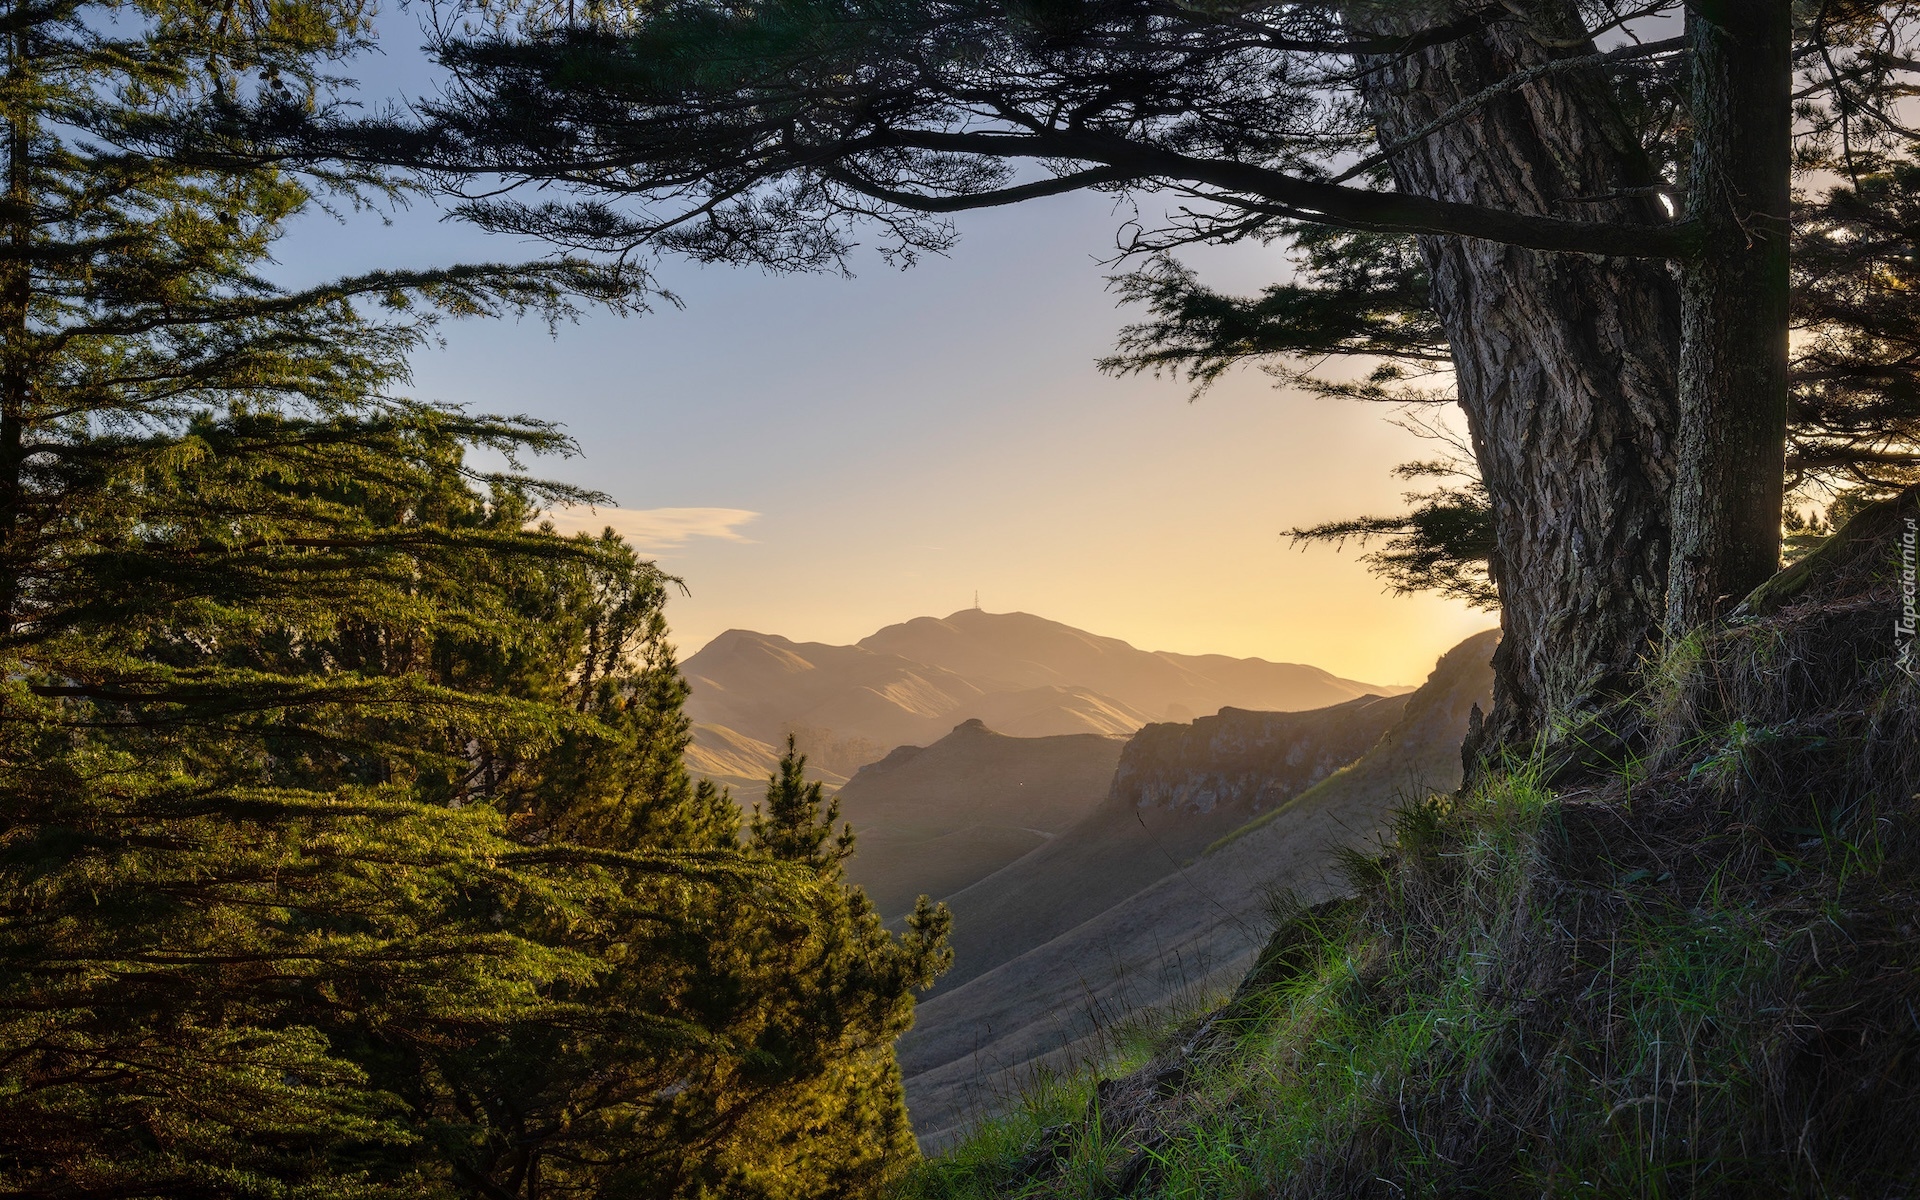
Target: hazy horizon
x,y
687,651
818,457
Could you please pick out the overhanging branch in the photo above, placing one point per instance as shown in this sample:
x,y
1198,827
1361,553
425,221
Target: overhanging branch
x,y
1314,200
971,201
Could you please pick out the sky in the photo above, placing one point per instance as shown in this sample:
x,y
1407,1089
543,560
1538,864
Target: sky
x,y
819,456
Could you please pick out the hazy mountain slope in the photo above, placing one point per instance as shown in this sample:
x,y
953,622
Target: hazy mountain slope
x,y
736,761
1049,711
763,685
1022,650
1023,676
936,819
1187,929
1138,835
728,757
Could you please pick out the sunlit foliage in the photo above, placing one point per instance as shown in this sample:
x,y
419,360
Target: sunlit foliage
x,y
345,844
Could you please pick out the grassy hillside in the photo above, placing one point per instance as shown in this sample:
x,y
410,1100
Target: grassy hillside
x,y
1130,840
1118,916
936,819
1675,954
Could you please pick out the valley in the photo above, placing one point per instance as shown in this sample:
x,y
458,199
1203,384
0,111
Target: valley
x,y
1099,858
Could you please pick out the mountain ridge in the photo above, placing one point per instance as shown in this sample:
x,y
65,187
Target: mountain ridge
x,y
912,682
1140,934
937,818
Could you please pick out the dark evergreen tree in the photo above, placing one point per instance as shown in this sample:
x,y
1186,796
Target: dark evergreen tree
x,y
211,853
835,992
723,1052
330,792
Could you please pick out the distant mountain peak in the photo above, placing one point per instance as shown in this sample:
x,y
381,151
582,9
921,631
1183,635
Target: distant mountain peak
x,y
1019,674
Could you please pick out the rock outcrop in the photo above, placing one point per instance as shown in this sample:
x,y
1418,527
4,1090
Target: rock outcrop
x,y
1248,762
1134,908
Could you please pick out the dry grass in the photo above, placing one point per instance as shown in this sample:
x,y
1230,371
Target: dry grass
x,y
1695,972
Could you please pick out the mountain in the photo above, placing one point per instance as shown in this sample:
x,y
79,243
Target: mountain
x,y
1100,922
1143,829
1019,650
909,684
935,819
763,686
744,764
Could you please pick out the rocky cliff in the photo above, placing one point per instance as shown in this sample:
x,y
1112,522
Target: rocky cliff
x,y
1248,762
1135,906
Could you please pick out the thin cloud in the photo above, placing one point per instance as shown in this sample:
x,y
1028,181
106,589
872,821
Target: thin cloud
x,y
655,530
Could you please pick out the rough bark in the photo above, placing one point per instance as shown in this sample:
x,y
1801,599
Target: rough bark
x,y
1566,364
1733,365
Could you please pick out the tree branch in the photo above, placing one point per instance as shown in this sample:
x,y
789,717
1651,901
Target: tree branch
x,y
1317,201
1413,43
970,201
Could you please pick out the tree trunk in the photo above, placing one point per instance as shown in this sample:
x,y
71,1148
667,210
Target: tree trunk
x,y
1733,364
1566,365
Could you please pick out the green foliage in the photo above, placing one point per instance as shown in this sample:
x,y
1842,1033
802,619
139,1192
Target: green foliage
x,y
1694,975
1442,544
823,996
796,822
245,836
224,557
728,1047
347,849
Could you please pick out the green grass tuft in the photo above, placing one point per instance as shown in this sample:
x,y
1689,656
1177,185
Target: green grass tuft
x,y
1692,970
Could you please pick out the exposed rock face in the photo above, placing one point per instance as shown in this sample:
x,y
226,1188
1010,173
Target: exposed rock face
x,y
1135,907
1249,762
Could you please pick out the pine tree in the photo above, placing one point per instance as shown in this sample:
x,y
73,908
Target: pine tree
x,y
237,843
796,822
730,1048
239,848
837,992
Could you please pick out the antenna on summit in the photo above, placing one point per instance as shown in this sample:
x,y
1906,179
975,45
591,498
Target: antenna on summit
x,y
976,599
